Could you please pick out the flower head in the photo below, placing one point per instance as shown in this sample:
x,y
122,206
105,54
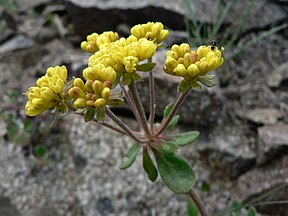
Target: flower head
x,y
48,91
95,41
151,31
193,66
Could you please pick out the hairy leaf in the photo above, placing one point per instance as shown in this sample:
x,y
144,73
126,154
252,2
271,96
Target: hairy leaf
x,y
145,67
168,109
175,172
131,156
149,166
186,138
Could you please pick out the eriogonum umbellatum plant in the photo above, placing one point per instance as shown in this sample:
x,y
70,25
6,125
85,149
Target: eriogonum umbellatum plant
x,y
121,61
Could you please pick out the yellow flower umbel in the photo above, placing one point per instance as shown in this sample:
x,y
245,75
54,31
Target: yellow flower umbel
x,y
48,91
92,94
193,66
124,56
95,41
151,31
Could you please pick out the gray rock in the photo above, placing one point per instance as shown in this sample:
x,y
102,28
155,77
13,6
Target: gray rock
x,y
273,14
103,205
272,142
16,43
225,149
7,208
262,115
89,16
80,162
263,180
278,75
45,211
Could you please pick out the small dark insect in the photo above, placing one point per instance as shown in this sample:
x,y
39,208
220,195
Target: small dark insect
x,y
213,43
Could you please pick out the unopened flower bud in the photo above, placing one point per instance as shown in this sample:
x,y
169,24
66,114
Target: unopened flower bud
x,y
193,70
176,49
180,60
180,70
156,29
80,103
105,93
185,48
162,36
79,83
203,67
107,83
89,73
97,87
84,45
170,65
76,92
90,103
108,73
187,59
194,56
172,54
100,102
88,86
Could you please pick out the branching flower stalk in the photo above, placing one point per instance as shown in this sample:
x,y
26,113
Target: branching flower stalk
x,y
125,128
121,61
139,106
173,112
152,99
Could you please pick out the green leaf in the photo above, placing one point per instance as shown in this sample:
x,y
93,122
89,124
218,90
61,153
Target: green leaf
x,y
28,126
168,109
191,208
131,155
251,212
186,138
145,67
175,172
207,82
149,166
40,151
126,79
100,115
173,122
115,102
89,114
136,76
235,207
168,147
195,85
184,86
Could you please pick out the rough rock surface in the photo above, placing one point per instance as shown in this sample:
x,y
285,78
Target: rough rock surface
x,y
264,179
273,142
228,150
262,116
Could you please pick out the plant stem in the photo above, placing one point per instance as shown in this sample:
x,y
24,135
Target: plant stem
x,y
123,125
172,113
130,103
140,108
152,98
198,202
106,124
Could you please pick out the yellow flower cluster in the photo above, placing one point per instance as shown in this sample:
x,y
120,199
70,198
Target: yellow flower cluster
x,y
95,41
192,65
93,94
123,55
151,31
48,91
